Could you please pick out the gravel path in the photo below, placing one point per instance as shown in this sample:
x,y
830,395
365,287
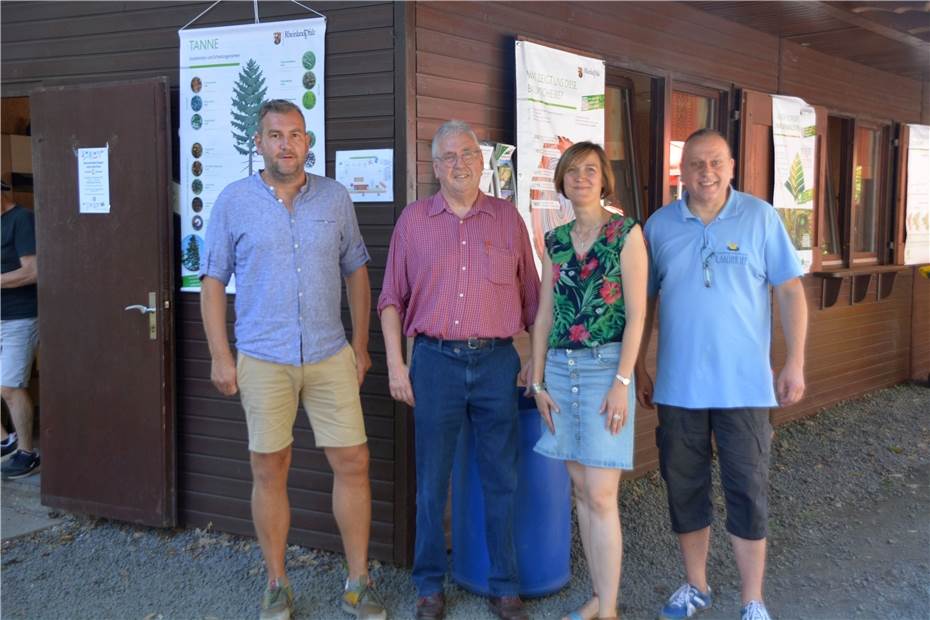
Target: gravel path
x,y
850,538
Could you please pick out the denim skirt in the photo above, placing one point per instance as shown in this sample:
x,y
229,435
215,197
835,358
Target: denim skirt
x,y
578,381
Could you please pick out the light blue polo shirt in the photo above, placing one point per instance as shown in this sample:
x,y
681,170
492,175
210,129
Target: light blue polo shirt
x,y
289,266
714,340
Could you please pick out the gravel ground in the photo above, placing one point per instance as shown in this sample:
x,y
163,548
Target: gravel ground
x,y
850,538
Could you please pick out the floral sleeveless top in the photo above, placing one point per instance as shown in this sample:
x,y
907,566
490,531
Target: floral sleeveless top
x,y
588,308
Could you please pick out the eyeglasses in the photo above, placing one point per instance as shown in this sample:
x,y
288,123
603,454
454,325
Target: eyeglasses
x,y
466,157
705,263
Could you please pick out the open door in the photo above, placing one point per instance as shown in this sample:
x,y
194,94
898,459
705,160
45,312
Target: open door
x,y
105,297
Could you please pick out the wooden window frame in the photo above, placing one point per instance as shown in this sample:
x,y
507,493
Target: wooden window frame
x,y
720,95
841,259
620,76
721,116
888,209
880,255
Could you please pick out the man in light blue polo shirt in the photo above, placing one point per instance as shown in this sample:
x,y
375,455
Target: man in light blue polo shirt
x,y
290,238
715,255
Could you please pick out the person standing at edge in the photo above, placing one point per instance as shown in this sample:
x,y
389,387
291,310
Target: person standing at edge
x,y
460,277
288,236
19,334
595,270
715,253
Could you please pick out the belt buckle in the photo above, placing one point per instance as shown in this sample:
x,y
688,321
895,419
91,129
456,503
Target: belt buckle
x,y
474,343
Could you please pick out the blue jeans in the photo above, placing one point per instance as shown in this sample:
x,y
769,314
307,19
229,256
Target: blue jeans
x,y
452,382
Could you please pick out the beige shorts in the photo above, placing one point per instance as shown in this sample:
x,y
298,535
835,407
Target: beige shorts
x,y
327,389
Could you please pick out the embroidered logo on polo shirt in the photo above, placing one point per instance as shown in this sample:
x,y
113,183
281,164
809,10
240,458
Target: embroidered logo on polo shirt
x,y
733,246
737,258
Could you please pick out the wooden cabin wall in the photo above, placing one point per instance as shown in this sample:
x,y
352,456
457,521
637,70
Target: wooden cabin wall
x,y
464,69
845,86
920,324
465,55
852,349
50,43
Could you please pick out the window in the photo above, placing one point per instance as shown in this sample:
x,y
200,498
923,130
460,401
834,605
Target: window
x,y
867,192
629,124
856,200
692,108
836,191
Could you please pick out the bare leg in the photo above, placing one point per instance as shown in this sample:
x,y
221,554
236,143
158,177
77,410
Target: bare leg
x,y
576,472
20,405
352,504
271,510
694,548
606,538
750,560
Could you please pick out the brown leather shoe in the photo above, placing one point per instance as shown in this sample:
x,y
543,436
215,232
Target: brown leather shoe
x,y
508,608
432,607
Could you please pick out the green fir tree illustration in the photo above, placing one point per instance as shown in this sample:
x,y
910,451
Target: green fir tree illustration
x,y
795,182
249,91
191,258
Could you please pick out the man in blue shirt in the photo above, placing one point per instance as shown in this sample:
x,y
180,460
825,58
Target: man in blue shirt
x,y
714,254
290,238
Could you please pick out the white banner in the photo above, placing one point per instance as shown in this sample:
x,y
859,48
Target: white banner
x,y
794,132
226,73
560,101
917,213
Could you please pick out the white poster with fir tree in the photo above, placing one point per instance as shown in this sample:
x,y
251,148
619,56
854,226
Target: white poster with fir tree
x,y
225,75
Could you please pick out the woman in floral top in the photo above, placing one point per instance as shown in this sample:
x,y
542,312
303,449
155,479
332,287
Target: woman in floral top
x,y
586,339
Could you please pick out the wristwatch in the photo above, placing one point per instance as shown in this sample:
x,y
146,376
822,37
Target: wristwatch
x,y
623,380
536,388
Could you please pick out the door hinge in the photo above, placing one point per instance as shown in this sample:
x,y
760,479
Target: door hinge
x,y
735,115
896,142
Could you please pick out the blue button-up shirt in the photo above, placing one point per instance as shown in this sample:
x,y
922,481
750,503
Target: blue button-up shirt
x,y
288,266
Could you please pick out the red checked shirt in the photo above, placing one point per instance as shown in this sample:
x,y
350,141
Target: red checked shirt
x,y
456,278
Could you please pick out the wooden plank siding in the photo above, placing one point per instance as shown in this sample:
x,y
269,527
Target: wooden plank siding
x,y
60,42
848,87
920,325
394,73
465,70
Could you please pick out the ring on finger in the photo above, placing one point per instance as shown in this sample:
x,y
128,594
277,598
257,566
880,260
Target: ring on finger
x,y
616,416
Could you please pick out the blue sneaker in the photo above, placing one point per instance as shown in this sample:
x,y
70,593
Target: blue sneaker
x,y
686,602
754,610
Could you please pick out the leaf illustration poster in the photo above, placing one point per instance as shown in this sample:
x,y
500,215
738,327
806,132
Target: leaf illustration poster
x,y
225,74
794,132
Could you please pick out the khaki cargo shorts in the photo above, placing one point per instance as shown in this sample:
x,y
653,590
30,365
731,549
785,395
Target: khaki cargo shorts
x,y
327,389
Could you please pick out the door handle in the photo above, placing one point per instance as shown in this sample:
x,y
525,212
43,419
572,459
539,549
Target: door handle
x,y
151,310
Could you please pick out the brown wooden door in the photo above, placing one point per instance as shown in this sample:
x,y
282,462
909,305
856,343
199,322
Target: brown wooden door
x,y
107,389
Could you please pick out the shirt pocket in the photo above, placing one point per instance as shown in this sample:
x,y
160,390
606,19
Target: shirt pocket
x,y
500,265
321,236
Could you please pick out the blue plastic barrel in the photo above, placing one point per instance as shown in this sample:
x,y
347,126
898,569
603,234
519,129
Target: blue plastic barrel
x,y
542,515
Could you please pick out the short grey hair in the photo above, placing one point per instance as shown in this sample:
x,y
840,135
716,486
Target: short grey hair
x,y
451,128
277,106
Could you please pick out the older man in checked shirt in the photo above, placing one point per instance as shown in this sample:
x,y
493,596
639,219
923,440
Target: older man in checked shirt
x,y
460,278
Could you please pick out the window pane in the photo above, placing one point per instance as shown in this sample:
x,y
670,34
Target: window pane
x,y
867,180
833,217
618,143
689,113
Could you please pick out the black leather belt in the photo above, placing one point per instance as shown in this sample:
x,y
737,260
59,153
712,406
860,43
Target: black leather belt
x,y
471,343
